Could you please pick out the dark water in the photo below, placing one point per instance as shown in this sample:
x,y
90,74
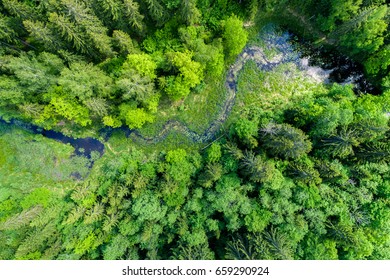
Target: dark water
x,y
83,146
343,68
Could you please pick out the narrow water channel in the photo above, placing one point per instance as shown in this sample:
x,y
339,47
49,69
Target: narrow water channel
x,y
338,68
83,146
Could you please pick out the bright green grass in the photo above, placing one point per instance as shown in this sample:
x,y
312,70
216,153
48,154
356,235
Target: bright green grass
x,y
271,91
29,161
118,144
196,111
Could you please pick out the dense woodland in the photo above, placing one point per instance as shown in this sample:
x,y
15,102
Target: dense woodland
x,y
306,178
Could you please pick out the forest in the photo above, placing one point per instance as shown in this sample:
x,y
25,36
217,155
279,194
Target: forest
x,y
220,142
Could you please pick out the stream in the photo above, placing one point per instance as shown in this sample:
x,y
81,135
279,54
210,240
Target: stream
x,y
285,53
83,146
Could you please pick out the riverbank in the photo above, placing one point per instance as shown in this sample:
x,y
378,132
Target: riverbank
x,y
274,50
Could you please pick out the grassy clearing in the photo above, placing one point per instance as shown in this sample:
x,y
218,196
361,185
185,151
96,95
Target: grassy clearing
x,y
29,161
197,111
119,143
271,91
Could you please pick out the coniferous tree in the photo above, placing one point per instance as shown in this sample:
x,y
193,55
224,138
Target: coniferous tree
x,y
286,141
233,150
19,9
112,7
97,106
84,81
7,33
35,74
375,152
331,171
198,252
278,245
240,248
367,35
341,145
256,168
189,12
123,41
41,33
134,15
84,17
31,110
304,172
69,32
156,11
21,219
212,174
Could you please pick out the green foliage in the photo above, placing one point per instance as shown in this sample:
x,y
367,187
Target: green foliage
x,y
304,171
143,64
84,34
18,9
214,152
39,196
247,130
317,249
147,208
379,62
209,55
190,75
341,12
199,252
229,199
285,141
258,219
156,11
189,12
178,172
123,41
35,74
21,219
270,245
117,248
84,81
299,171
69,32
10,93
40,33
134,117
256,167
235,37
134,15
137,81
69,110
341,145
176,156
368,36
7,33
111,121
376,152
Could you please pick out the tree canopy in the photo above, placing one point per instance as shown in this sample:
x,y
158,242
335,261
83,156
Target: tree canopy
x,y
200,158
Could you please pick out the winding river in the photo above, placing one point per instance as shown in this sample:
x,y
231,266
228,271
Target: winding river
x,y
282,52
